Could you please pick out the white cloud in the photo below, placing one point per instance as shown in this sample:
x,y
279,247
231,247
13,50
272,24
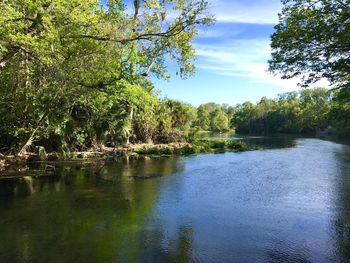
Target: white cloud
x,y
246,59
246,11
217,33
241,58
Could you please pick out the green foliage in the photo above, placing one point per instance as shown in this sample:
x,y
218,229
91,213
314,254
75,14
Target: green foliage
x,y
198,146
213,117
168,149
219,121
311,40
42,153
315,108
175,120
204,146
203,118
340,111
74,74
304,112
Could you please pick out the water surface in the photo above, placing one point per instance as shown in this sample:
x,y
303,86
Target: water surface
x,y
289,204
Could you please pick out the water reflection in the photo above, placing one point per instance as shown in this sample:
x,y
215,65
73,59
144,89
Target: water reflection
x,y
80,215
342,221
136,167
279,205
275,141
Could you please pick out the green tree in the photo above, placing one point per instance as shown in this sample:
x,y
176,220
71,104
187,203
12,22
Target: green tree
x,y
203,118
219,121
315,109
340,111
67,64
306,111
311,40
288,111
174,120
245,116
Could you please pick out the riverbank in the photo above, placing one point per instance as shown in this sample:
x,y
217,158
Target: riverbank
x,y
12,163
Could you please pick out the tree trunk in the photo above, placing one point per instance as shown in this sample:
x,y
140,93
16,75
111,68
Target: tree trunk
x,y
131,115
24,147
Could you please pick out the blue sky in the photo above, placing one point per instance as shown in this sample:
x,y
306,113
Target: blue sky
x,y
232,57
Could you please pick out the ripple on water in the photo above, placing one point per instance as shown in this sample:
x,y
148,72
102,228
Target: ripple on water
x,y
289,204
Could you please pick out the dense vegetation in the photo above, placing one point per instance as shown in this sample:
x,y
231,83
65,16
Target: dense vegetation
x,y
311,41
214,117
308,111
75,74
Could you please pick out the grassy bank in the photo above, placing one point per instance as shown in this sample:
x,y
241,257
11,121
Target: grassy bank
x,y
197,146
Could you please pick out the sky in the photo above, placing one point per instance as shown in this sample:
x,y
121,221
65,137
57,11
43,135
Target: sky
x,y
232,57
231,62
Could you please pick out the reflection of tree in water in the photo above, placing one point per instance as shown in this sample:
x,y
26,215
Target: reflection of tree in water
x,y
81,217
129,167
22,186
271,142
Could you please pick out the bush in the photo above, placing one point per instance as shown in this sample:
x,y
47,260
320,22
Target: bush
x,y
202,146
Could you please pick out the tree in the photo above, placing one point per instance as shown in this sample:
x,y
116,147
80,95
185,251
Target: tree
x,y
288,112
265,108
307,111
340,111
245,115
61,35
203,118
174,120
311,40
219,121
315,108
63,58
210,106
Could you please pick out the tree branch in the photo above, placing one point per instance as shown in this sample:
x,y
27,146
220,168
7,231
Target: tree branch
x,y
173,31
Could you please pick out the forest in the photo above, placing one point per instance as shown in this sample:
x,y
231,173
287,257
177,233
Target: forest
x,y
309,111
77,75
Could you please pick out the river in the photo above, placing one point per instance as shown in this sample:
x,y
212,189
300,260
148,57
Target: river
x,y
287,202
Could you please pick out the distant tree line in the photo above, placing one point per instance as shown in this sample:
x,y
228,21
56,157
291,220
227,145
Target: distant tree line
x,y
308,111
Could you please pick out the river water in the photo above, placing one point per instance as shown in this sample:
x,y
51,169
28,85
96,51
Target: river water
x,y
288,202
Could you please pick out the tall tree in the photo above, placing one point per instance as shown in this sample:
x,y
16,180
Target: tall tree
x,y
203,118
57,56
311,40
219,121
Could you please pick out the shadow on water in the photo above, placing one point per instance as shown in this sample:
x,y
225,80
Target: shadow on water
x,y
291,204
89,215
274,141
140,167
342,221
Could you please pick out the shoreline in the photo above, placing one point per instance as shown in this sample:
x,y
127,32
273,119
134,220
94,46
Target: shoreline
x,y
44,164
17,165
